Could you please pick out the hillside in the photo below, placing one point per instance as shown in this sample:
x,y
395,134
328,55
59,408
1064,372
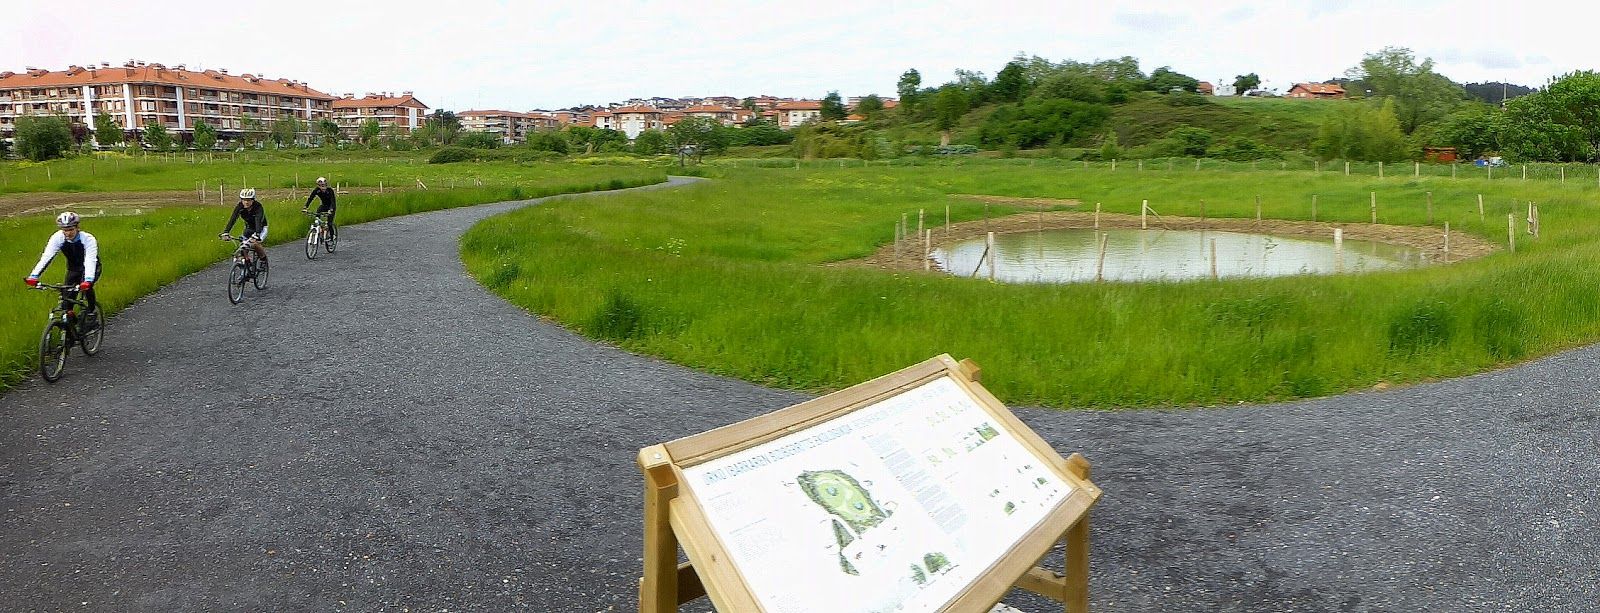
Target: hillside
x,y
1281,123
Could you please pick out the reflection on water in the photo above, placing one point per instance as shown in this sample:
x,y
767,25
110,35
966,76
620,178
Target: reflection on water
x,y
1068,256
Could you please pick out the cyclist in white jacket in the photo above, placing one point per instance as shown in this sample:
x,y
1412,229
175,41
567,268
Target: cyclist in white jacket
x,y
83,258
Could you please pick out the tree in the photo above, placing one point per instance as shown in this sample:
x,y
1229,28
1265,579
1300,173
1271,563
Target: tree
x,y
370,129
650,142
948,107
251,131
42,138
548,140
1420,95
1245,82
1164,79
205,136
106,131
908,86
329,131
702,134
593,139
869,106
758,132
1361,132
1193,141
1011,84
832,107
1572,103
1124,70
286,130
442,127
478,140
157,137
1109,150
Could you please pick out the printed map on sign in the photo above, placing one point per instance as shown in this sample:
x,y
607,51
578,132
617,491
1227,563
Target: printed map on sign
x,y
897,506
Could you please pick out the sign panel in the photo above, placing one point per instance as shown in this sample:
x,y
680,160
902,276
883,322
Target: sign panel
x,y
897,506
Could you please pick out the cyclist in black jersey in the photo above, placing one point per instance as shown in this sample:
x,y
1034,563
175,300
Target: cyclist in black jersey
x,y
326,194
255,221
83,258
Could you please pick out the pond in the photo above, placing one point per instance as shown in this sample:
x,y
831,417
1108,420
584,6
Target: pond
x,y
1070,256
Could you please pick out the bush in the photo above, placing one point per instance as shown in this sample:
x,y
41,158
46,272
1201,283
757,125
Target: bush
x,y
549,141
42,138
478,140
450,155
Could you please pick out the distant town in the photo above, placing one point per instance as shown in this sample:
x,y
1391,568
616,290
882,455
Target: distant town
x,y
137,95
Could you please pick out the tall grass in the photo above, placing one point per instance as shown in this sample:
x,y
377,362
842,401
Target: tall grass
x,y
146,251
733,277
171,172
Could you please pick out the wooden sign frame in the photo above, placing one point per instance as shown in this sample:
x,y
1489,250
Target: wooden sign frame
x,y
674,517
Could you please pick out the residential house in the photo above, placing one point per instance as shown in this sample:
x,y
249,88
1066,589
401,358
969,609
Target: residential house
x,y
1316,90
794,114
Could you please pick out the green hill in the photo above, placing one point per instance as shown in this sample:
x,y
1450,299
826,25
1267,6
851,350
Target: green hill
x,y
1282,123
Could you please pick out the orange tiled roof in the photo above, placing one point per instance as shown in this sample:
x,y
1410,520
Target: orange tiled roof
x,y
157,73
801,105
491,113
1320,88
635,109
708,108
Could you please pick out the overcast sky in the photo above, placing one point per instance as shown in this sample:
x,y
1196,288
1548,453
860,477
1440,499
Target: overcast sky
x,y
531,54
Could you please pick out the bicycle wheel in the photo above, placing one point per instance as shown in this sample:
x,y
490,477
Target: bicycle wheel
x,y
330,239
236,278
312,244
89,339
53,351
260,277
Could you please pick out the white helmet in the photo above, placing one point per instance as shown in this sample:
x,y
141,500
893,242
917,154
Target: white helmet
x,y
248,193
68,219
323,181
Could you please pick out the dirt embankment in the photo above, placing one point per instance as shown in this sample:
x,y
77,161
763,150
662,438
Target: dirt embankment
x,y
1430,241
90,203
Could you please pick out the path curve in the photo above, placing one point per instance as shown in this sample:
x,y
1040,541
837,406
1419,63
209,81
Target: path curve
x,y
446,451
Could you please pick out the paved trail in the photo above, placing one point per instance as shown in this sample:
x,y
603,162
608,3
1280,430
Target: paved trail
x,y
446,451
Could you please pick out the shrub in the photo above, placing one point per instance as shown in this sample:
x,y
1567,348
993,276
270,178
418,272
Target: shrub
x,y
478,140
450,155
42,138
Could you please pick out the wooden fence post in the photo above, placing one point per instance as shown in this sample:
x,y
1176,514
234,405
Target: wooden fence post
x,y
1374,207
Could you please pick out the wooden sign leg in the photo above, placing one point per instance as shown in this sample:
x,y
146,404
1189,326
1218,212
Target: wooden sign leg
x,y
658,588
1077,538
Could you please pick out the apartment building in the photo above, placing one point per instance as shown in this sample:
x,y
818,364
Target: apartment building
x,y
631,120
793,114
403,113
505,124
727,116
136,95
510,126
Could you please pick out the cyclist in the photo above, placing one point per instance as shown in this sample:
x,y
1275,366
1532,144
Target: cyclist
x,y
326,194
83,259
255,222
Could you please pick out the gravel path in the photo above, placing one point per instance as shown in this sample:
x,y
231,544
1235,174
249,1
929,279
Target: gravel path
x,y
446,451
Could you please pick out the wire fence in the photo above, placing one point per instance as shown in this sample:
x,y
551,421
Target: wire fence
x,y
1585,174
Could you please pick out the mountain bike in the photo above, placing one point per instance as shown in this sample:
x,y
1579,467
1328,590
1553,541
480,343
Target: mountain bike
x,y
246,267
320,236
67,329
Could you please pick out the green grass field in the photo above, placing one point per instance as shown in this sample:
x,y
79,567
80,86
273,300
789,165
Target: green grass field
x,y
116,172
732,277
146,251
